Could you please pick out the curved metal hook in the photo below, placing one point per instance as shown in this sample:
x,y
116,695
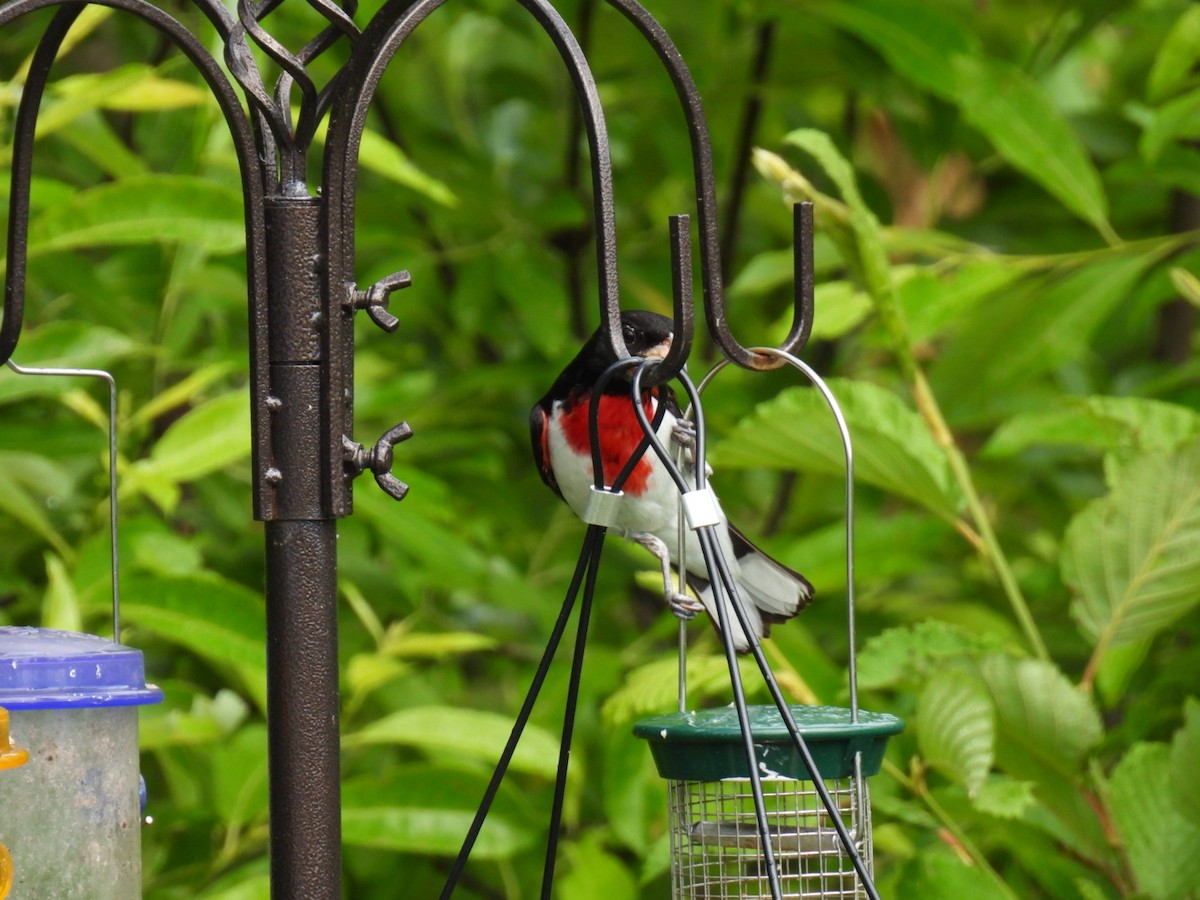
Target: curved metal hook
x,y
382,38
706,204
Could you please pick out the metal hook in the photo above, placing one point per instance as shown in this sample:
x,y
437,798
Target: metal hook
x,y
706,208
112,471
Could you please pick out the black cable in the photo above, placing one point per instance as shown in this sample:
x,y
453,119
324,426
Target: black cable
x,y
592,543
564,750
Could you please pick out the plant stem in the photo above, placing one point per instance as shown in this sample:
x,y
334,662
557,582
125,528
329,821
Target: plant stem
x,y
918,787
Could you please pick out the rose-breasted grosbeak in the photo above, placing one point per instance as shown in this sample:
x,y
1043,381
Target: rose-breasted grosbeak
x,y
649,511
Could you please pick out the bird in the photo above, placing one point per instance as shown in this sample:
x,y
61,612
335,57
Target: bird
x,y
648,513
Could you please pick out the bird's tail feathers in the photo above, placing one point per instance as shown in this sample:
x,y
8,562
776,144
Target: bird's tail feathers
x,y
771,592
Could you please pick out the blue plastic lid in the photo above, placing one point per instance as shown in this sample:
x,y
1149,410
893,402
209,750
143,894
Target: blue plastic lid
x,y
41,668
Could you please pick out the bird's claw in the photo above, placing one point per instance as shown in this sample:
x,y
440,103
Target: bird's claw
x,y
683,606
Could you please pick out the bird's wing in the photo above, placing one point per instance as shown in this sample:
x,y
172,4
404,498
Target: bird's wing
x,y
778,591
539,435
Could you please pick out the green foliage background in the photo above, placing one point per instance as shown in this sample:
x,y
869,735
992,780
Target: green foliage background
x,y
1006,197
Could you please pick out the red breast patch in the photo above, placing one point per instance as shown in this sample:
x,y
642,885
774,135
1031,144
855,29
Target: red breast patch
x,y
620,433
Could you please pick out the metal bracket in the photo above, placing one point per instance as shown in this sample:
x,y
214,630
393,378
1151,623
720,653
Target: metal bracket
x,y
378,459
375,299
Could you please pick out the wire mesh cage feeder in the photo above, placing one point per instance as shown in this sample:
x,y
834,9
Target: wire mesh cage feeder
x,y
716,847
771,801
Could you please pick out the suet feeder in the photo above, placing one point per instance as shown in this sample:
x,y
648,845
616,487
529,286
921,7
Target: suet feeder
x,y
716,845
71,816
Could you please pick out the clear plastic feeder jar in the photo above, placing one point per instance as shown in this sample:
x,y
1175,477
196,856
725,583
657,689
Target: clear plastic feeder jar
x,y
71,816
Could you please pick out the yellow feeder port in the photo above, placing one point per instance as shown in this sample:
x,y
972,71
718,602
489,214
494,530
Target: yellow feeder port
x,y
11,756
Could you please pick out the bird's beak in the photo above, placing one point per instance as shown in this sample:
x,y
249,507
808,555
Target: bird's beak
x,y
660,351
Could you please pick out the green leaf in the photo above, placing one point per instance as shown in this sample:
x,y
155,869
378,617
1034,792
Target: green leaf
x,y
1130,558
1184,773
1186,283
917,39
1018,117
892,447
218,620
135,87
145,209
955,728
912,654
1163,847
938,872
838,308
383,157
474,733
1177,56
1004,797
593,873
72,345
206,439
60,606
654,686
1045,725
1174,120
433,831
1030,333
23,480
1107,424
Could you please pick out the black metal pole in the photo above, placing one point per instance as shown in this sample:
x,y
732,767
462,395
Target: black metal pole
x,y
302,710
301,538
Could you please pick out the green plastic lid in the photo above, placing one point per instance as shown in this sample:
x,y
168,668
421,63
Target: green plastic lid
x,y
706,745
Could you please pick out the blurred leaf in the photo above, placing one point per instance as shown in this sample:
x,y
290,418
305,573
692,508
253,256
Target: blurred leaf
x,y
593,873
941,873
1186,283
1177,56
1163,847
1130,557
1004,797
893,449
206,720
955,729
216,619
1021,121
182,393
145,209
1030,333
71,345
206,439
654,686
239,778
134,87
1184,774
438,832
60,606
23,477
440,730
916,38
1045,725
1174,120
838,308
383,157
911,654
1099,423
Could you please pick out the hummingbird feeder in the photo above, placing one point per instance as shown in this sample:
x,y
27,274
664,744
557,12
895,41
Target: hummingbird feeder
x,y
71,817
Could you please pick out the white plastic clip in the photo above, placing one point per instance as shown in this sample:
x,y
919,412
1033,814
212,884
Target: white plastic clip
x,y
701,509
602,506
